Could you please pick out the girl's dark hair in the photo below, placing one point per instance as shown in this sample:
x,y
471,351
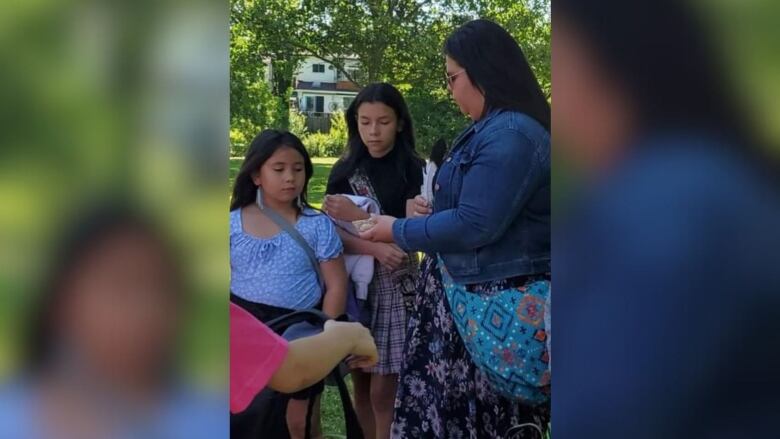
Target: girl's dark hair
x,y
438,151
672,76
260,150
497,66
83,235
356,150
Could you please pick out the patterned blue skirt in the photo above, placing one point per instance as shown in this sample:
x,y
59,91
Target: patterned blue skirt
x,y
441,394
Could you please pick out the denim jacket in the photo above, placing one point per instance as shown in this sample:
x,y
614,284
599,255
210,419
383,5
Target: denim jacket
x,y
491,216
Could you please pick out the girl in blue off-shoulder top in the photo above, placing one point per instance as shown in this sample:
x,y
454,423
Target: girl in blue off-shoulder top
x,y
271,274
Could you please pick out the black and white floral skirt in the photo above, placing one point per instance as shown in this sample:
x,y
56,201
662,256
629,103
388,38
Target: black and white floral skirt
x,y
441,394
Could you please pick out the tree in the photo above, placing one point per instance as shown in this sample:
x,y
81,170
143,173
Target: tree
x,y
529,24
249,93
262,63
397,41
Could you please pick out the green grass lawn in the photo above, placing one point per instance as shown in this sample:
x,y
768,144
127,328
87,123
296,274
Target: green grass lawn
x,y
332,413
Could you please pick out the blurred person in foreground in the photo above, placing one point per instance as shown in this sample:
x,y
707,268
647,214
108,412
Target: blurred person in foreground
x,y
667,306
102,344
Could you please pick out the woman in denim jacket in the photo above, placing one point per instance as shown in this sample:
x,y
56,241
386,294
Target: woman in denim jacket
x,y
490,224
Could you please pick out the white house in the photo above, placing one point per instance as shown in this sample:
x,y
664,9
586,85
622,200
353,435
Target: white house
x,y
319,88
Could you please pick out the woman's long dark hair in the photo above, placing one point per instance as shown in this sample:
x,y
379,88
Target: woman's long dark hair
x,y
672,76
356,150
260,150
497,66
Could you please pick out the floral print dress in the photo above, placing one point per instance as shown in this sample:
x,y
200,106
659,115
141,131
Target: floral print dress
x,y
441,394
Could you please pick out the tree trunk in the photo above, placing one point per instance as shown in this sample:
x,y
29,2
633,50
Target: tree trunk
x,y
282,82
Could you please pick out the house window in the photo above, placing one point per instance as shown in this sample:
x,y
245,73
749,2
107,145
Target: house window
x,y
318,68
319,104
341,76
308,103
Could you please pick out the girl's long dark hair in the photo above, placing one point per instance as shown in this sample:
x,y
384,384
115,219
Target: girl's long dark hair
x,y
438,151
260,150
356,150
497,66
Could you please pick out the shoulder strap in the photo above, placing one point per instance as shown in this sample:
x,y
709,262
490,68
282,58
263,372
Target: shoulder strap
x,y
299,239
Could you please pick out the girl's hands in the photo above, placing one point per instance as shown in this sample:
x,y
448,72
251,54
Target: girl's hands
x,y
389,255
342,208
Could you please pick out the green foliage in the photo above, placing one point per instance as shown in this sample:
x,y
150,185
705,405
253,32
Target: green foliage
x,y
298,124
338,128
255,102
529,24
434,116
323,145
397,41
249,93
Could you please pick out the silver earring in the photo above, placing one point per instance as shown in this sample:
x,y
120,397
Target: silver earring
x,y
300,203
259,198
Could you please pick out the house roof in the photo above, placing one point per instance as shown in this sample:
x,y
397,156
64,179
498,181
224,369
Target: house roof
x,y
307,85
328,86
347,86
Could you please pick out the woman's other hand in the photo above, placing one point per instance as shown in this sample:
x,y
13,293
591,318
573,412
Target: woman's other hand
x,y
417,207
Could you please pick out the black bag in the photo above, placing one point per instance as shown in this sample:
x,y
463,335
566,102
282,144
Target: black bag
x,y
266,416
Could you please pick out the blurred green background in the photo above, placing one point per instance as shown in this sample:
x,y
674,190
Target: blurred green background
x,y
120,100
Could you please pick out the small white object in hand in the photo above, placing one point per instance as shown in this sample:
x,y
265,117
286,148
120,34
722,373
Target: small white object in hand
x,y
427,187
